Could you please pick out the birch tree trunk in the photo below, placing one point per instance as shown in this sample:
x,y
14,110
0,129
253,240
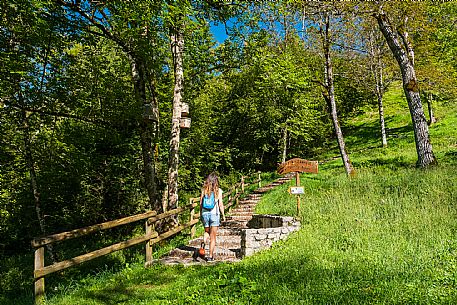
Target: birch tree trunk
x,y
410,86
376,70
382,121
177,45
329,96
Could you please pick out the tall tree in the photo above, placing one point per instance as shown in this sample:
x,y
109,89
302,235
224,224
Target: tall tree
x,y
110,21
329,93
397,37
377,64
177,46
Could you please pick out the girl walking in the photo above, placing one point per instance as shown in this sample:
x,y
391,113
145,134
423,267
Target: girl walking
x,y
211,207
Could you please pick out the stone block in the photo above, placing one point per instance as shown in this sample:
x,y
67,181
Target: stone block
x,y
260,236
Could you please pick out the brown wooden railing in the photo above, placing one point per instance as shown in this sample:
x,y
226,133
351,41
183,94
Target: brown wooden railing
x,y
231,197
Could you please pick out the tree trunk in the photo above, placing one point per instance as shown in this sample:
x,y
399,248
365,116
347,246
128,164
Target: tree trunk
x,y
421,134
33,181
377,72
177,45
146,133
432,119
382,120
284,145
329,96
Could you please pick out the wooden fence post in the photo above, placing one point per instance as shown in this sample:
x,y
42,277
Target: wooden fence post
x,y
39,283
260,181
297,183
149,229
192,215
242,184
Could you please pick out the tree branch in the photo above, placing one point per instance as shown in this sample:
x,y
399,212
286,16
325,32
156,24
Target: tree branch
x,y
55,113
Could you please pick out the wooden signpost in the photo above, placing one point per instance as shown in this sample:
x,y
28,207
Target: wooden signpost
x,y
298,166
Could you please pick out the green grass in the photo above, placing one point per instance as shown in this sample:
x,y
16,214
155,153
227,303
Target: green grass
x,y
387,236
376,239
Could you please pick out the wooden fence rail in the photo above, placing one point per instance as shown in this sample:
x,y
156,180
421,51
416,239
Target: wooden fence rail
x,y
150,236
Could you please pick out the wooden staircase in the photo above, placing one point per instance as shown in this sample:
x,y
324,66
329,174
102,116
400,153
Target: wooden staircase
x,y
228,242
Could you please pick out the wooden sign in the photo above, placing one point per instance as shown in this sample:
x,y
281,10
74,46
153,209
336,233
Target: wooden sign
x,y
296,190
299,166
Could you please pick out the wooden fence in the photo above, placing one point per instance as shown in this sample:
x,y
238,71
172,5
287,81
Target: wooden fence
x,y
231,197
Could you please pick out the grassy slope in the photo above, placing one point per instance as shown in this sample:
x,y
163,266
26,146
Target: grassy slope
x,y
385,237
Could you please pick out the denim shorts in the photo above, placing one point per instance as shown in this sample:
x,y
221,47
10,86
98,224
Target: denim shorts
x,y
210,220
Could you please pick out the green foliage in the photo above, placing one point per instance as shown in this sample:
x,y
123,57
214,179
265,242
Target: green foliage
x,y
247,111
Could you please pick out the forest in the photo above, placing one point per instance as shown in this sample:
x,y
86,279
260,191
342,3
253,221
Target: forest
x,y
94,94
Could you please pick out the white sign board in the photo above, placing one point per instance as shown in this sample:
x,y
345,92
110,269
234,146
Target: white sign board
x,y
296,190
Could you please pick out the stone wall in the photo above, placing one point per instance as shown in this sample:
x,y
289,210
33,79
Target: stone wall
x,y
264,230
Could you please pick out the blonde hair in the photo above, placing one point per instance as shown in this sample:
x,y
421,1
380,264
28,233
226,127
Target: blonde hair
x,y
211,184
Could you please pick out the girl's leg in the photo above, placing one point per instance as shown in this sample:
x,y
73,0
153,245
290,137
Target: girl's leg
x,y
212,244
206,235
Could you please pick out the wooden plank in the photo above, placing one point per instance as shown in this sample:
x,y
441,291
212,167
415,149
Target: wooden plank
x,y
298,165
39,273
234,199
192,217
252,183
148,249
39,283
166,214
173,231
39,242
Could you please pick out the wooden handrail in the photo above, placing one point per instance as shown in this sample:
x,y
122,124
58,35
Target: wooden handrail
x,y
174,231
176,211
39,242
92,255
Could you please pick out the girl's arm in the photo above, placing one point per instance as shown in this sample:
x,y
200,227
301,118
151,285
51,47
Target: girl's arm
x,y
221,205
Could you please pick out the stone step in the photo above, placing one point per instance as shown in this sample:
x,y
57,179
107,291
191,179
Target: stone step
x,y
241,212
249,202
228,231
246,204
234,224
239,218
230,241
219,252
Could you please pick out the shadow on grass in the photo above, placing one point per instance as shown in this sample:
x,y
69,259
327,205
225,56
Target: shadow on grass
x,y
297,280
370,133
391,163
